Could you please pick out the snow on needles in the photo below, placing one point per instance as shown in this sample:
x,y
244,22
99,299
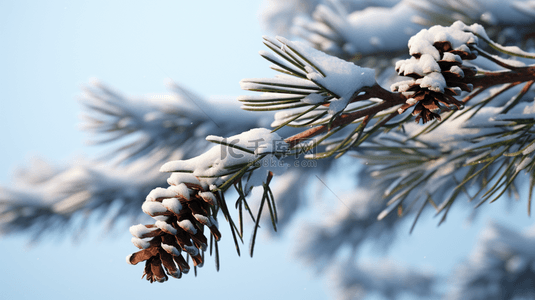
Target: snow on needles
x,y
338,77
215,166
341,78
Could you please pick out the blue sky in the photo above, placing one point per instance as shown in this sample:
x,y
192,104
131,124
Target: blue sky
x,y
50,49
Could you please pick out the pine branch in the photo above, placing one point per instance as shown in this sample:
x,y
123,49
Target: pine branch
x,y
498,268
49,205
352,225
390,100
165,125
384,277
157,129
488,79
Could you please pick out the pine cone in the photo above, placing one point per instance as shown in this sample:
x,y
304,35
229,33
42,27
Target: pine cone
x,y
181,211
437,70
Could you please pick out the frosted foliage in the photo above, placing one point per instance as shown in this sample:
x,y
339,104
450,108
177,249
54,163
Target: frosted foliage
x,y
350,225
364,29
385,277
147,131
166,125
502,266
313,99
342,78
156,128
278,15
47,204
211,167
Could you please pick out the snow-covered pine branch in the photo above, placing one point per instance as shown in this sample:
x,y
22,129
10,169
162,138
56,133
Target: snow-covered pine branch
x,y
45,199
501,266
405,166
172,125
486,145
355,30
383,277
147,131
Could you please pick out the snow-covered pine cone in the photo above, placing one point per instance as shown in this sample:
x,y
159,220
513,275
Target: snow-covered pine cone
x,y
181,211
437,70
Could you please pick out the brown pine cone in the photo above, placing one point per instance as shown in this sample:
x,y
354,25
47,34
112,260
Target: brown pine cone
x,y
437,71
181,211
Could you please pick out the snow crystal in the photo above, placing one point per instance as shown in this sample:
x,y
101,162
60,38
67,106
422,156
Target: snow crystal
x,y
517,51
140,230
153,208
253,86
181,190
187,226
266,96
171,249
159,193
166,227
173,205
279,79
